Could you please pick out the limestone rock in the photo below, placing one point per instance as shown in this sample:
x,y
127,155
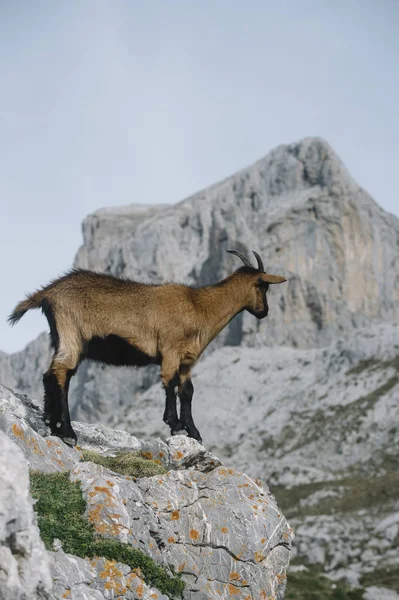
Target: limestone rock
x,y
319,425
299,208
23,371
24,567
218,527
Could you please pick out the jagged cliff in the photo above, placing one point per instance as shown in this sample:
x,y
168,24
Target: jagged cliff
x,y
299,208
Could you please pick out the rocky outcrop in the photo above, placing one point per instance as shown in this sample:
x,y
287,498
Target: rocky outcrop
x,y
306,216
24,566
23,371
320,426
219,528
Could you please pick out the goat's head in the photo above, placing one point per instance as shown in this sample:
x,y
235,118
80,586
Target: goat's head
x,y
258,284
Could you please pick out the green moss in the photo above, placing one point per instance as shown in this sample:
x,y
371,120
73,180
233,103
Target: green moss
x,y
60,507
373,364
344,418
312,585
126,463
388,578
364,365
359,492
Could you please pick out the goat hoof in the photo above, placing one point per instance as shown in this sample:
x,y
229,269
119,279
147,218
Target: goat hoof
x,y
196,436
65,433
177,430
70,441
176,426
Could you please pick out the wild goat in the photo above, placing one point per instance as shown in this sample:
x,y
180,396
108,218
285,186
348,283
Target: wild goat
x,y
126,323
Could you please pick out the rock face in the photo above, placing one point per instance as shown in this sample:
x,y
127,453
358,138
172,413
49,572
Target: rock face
x,y
218,527
23,371
24,567
320,426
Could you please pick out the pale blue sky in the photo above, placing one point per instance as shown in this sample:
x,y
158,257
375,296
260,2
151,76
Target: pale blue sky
x,y
112,102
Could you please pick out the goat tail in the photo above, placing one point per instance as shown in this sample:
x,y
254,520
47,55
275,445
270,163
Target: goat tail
x,y
34,300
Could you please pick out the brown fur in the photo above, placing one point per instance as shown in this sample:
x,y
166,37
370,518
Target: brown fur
x,y
169,324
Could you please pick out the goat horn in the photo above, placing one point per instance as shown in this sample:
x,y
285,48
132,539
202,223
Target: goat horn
x,y
259,260
244,259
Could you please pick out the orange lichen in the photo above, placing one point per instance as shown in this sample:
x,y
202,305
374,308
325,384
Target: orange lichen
x,y
263,540
147,455
234,576
177,455
17,431
171,539
224,530
194,535
233,590
66,594
258,557
175,516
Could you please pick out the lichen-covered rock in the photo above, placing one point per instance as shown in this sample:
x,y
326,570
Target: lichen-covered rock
x,y
24,567
220,529
97,579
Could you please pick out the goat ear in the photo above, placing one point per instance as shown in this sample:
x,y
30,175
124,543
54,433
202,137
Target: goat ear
x,y
273,278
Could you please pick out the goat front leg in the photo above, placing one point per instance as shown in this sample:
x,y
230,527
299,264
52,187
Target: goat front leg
x,y
186,391
170,380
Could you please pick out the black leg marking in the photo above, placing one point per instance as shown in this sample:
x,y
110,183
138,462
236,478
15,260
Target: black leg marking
x,y
186,394
56,410
170,415
48,311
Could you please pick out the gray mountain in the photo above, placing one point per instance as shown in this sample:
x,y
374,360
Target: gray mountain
x,y
299,208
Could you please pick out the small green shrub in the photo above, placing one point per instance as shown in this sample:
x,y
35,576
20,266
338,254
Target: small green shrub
x,y
359,492
387,577
60,507
312,585
126,463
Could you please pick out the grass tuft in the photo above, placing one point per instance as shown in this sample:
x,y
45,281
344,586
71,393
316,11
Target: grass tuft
x,y
312,585
60,507
387,578
359,492
126,463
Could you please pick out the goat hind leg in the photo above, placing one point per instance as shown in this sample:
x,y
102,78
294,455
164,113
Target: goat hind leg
x,y
56,409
